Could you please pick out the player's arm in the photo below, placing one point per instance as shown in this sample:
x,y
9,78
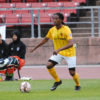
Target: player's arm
x,y
70,44
40,44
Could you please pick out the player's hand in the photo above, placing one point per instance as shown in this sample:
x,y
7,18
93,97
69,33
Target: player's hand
x,y
32,50
55,52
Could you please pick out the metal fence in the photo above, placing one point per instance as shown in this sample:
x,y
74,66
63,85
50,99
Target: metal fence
x,y
91,22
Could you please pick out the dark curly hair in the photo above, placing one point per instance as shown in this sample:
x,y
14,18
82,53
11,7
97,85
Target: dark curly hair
x,y
61,16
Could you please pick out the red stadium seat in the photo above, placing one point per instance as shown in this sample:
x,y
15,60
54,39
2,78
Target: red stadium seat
x,y
45,18
39,5
2,1
12,18
70,4
69,11
48,0
6,12
65,17
23,5
52,11
31,0
21,12
80,1
16,0
27,18
55,4
7,5
36,12
64,0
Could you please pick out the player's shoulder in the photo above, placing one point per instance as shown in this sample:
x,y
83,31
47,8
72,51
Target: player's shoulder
x,y
66,27
52,28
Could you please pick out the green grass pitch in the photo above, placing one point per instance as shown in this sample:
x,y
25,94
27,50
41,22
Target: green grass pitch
x,y
41,90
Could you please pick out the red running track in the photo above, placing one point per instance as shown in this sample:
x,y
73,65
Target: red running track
x,y
40,72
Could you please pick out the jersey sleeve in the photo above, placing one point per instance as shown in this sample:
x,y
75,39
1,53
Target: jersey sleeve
x,y
49,35
68,33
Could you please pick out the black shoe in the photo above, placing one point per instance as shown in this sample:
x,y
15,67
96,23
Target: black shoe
x,y
56,84
77,88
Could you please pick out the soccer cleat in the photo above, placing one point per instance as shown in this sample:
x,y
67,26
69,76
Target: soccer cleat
x,y
77,88
56,84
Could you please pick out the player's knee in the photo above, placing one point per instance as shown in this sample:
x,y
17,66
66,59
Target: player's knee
x,y
72,71
49,66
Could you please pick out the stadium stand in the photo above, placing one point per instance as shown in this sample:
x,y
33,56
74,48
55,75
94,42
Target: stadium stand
x,y
55,4
31,0
80,1
71,4
12,18
2,1
24,16
23,5
44,18
47,0
63,0
7,5
16,1
39,5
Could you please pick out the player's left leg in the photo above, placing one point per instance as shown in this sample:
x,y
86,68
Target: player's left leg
x,y
75,78
72,70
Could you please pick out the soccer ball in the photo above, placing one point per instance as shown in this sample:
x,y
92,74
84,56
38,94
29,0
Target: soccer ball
x,y
25,87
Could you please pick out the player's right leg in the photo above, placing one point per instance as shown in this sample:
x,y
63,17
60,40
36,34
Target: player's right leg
x,y
52,71
50,66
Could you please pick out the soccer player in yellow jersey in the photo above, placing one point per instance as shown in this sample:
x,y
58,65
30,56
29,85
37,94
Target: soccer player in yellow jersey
x,y
64,48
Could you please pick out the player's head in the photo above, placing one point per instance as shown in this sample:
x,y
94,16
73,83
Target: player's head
x,y
58,19
16,35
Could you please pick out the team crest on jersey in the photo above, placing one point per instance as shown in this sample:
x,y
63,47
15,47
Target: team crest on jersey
x,y
11,48
18,48
70,35
61,34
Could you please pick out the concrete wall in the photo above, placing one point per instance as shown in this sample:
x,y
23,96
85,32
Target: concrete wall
x,y
88,51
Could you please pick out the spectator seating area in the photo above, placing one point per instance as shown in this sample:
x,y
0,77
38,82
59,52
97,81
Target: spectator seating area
x,y
24,16
11,1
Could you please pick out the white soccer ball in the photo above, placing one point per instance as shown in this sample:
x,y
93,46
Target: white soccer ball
x,y
25,87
